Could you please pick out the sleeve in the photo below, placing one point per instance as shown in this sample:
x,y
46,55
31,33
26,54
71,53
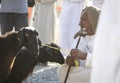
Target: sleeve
x,y
89,45
47,1
89,60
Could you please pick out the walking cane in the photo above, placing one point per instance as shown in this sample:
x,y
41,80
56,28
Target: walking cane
x,y
83,33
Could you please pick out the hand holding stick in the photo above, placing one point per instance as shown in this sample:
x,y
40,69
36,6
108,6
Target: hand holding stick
x,y
82,33
70,65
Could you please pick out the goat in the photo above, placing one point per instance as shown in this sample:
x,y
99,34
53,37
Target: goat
x,y
25,62
11,43
50,52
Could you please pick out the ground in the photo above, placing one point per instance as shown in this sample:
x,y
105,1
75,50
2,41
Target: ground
x,y
43,74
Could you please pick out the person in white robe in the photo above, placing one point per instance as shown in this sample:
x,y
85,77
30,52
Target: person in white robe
x,y
69,23
83,53
43,19
106,55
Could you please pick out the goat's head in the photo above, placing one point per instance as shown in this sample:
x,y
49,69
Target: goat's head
x,y
28,37
51,52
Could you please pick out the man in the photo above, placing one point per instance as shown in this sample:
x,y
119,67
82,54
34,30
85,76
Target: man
x,y
69,19
88,23
106,66
44,19
14,13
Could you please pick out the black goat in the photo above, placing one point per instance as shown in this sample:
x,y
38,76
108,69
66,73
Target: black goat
x,y
25,62
50,52
11,43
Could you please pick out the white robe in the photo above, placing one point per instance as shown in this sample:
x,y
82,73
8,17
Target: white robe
x,y
69,23
79,74
106,56
44,20
76,74
98,3
86,45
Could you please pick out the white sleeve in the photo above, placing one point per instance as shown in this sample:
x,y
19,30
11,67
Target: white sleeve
x,y
89,60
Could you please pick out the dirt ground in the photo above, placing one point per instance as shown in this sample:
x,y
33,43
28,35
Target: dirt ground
x,y
43,74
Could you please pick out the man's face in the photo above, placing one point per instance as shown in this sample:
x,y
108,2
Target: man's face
x,y
84,23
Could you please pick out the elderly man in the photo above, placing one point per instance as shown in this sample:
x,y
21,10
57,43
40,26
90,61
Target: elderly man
x,y
88,23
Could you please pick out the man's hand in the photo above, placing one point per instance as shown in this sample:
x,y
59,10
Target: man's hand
x,y
70,60
78,54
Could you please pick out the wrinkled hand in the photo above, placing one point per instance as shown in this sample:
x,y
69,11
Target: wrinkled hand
x,y
78,54
70,60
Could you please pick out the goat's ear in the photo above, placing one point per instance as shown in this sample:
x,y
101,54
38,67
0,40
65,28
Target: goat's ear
x,y
21,29
54,45
36,32
39,42
21,34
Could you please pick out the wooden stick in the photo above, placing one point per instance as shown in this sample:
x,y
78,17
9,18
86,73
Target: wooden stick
x,y
70,65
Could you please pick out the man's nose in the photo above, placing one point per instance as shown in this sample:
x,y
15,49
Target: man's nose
x,y
80,23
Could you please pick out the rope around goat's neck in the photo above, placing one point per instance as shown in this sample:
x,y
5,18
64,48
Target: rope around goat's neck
x,y
51,47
